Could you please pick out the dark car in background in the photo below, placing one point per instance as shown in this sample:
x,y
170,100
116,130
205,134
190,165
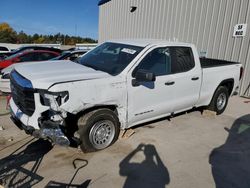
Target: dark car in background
x,y
28,48
27,55
3,51
70,55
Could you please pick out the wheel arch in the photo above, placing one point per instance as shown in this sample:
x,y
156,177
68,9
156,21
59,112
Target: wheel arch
x,y
96,107
228,83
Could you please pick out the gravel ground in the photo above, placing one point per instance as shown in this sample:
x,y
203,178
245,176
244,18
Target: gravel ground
x,y
189,150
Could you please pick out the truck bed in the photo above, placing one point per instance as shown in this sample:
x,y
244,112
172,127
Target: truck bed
x,y
209,62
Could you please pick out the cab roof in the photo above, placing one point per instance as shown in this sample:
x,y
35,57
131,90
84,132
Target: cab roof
x,y
149,42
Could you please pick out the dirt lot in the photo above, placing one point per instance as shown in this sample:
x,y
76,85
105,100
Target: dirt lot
x,y
189,150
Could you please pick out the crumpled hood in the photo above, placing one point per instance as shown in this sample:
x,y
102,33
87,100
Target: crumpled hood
x,y
44,74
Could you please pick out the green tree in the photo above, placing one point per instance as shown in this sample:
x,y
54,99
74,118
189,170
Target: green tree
x,y
35,37
23,37
7,34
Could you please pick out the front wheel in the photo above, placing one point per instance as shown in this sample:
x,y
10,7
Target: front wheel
x,y
220,100
98,129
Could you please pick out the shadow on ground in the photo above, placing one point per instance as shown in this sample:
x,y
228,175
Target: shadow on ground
x,y
13,170
231,162
149,173
78,165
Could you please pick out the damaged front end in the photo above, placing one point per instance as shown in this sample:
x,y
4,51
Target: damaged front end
x,y
52,122
48,115
48,130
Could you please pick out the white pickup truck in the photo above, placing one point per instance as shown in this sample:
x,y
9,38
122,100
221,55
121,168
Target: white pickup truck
x,y
115,86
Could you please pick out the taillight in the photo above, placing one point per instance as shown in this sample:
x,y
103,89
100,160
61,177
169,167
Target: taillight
x,y
241,72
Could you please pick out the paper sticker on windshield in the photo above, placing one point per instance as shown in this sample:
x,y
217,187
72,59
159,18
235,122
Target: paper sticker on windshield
x,y
129,51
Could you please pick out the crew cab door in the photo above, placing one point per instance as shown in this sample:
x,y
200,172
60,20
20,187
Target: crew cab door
x,y
176,88
149,100
186,73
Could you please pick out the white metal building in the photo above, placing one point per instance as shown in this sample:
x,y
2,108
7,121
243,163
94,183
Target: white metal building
x,y
219,28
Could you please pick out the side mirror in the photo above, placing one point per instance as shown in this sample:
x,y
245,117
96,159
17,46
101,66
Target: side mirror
x,y
143,76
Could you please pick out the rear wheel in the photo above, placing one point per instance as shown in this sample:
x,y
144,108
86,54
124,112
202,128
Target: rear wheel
x,y
98,129
220,100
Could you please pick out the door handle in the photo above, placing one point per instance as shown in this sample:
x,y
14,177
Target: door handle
x,y
195,78
169,83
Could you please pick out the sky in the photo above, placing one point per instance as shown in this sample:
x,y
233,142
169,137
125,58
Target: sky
x,y
72,17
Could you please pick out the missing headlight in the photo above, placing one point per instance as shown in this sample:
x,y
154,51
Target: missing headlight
x,y
53,99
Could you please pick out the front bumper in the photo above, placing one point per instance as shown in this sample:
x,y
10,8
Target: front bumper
x,y
45,130
21,126
25,119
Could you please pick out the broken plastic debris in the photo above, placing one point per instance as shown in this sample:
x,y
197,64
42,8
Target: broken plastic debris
x,y
126,133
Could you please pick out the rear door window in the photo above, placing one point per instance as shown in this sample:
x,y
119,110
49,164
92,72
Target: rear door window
x,y
182,59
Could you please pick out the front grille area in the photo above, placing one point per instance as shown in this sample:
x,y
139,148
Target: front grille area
x,y
22,93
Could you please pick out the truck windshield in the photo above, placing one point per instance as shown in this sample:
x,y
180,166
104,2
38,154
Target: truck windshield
x,y
111,58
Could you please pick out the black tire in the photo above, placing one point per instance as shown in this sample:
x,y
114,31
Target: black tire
x,y
90,123
221,92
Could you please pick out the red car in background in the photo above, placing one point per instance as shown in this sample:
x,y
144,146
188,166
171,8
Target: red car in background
x,y
34,55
